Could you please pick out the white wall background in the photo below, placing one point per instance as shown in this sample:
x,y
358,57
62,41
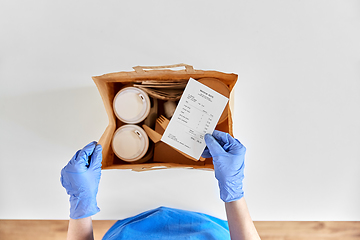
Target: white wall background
x,y
296,107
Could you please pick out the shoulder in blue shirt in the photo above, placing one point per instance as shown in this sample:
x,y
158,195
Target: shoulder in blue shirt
x,y
169,223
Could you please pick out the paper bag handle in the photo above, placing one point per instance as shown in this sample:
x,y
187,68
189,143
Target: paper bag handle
x,y
140,69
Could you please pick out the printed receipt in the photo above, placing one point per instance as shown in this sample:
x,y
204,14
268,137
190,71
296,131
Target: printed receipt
x,y
197,113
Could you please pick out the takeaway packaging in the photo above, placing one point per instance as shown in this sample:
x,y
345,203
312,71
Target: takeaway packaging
x,y
159,155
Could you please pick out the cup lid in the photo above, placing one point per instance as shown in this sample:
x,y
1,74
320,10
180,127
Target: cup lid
x,y
130,143
131,105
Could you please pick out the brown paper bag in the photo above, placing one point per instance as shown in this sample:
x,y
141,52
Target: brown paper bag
x,y
164,156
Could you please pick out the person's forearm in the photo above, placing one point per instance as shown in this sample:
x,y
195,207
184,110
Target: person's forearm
x,y
80,229
240,224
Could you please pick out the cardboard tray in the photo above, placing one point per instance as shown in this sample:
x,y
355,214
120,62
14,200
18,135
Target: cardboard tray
x,y
164,156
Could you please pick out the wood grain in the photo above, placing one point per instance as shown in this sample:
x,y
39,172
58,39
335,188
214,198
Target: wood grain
x,y
291,230
45,229
296,230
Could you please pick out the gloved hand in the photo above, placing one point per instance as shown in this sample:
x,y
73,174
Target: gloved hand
x,y
80,177
228,157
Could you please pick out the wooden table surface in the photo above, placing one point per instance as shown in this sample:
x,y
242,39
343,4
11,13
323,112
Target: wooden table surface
x,y
268,230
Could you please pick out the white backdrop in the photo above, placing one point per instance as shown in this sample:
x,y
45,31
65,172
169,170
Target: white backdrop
x,y
296,101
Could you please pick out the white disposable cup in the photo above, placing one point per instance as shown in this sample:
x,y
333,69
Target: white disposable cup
x,y
130,143
131,105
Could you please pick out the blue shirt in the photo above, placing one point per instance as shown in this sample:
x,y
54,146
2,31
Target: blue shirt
x,y
169,223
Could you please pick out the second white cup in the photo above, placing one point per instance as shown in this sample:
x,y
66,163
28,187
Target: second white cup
x,y
130,143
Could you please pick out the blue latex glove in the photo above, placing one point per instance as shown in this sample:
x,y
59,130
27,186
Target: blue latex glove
x,y
80,177
228,157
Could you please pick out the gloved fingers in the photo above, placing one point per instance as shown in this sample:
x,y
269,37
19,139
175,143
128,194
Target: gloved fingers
x,y
76,154
72,161
96,157
221,137
214,147
236,147
71,165
206,153
85,153
229,144
62,177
